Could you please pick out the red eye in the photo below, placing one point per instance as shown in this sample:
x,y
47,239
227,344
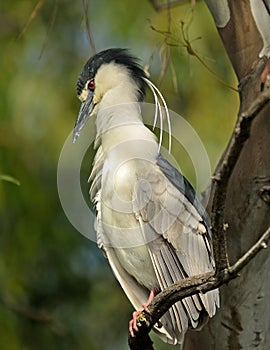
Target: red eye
x,y
91,85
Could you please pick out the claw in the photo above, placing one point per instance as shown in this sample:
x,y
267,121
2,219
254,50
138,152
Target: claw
x,y
133,323
132,326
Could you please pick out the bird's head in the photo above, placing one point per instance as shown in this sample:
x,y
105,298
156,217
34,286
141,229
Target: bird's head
x,y
111,76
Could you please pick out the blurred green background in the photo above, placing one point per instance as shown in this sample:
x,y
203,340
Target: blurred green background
x,y
56,289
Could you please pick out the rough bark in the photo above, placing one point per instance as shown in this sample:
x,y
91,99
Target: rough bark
x,y
243,321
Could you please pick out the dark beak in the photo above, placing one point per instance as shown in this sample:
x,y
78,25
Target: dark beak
x,y
84,113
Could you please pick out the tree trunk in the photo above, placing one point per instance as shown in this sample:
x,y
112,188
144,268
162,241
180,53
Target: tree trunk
x,y
243,322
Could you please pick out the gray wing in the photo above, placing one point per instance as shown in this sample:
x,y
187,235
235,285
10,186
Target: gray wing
x,y
179,239
183,185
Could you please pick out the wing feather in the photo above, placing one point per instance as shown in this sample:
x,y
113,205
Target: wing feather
x,y
183,244
176,275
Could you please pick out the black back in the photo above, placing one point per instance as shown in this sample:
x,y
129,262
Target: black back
x,y
183,185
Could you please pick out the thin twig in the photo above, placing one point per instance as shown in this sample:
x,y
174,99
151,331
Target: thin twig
x,y
192,52
172,41
52,20
164,65
262,243
88,28
32,16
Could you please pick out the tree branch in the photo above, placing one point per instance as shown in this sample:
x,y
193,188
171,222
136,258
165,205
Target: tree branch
x,y
222,175
262,243
182,289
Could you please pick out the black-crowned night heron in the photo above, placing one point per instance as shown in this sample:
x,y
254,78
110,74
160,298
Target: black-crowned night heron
x,y
149,221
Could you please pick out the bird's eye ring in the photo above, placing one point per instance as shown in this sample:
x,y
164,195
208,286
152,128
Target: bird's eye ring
x,y
91,85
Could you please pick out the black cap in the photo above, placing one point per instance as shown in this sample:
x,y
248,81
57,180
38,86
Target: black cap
x,y
119,56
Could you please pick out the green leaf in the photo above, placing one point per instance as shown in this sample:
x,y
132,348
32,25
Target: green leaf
x,y
9,178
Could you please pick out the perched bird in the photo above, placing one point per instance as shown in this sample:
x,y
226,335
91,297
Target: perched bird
x,y
149,222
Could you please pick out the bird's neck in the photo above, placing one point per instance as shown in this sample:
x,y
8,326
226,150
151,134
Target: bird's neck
x,y
121,136
122,124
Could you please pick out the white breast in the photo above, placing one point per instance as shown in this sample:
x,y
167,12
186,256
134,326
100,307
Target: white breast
x,y
127,147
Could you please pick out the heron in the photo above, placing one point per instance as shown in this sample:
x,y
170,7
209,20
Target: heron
x,y
150,224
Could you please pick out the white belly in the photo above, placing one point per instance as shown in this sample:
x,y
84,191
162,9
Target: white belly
x,y
121,228
137,262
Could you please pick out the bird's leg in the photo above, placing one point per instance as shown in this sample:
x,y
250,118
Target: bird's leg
x,y
133,323
149,300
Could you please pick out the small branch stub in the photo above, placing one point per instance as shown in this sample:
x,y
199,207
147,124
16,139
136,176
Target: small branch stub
x,y
264,193
264,245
